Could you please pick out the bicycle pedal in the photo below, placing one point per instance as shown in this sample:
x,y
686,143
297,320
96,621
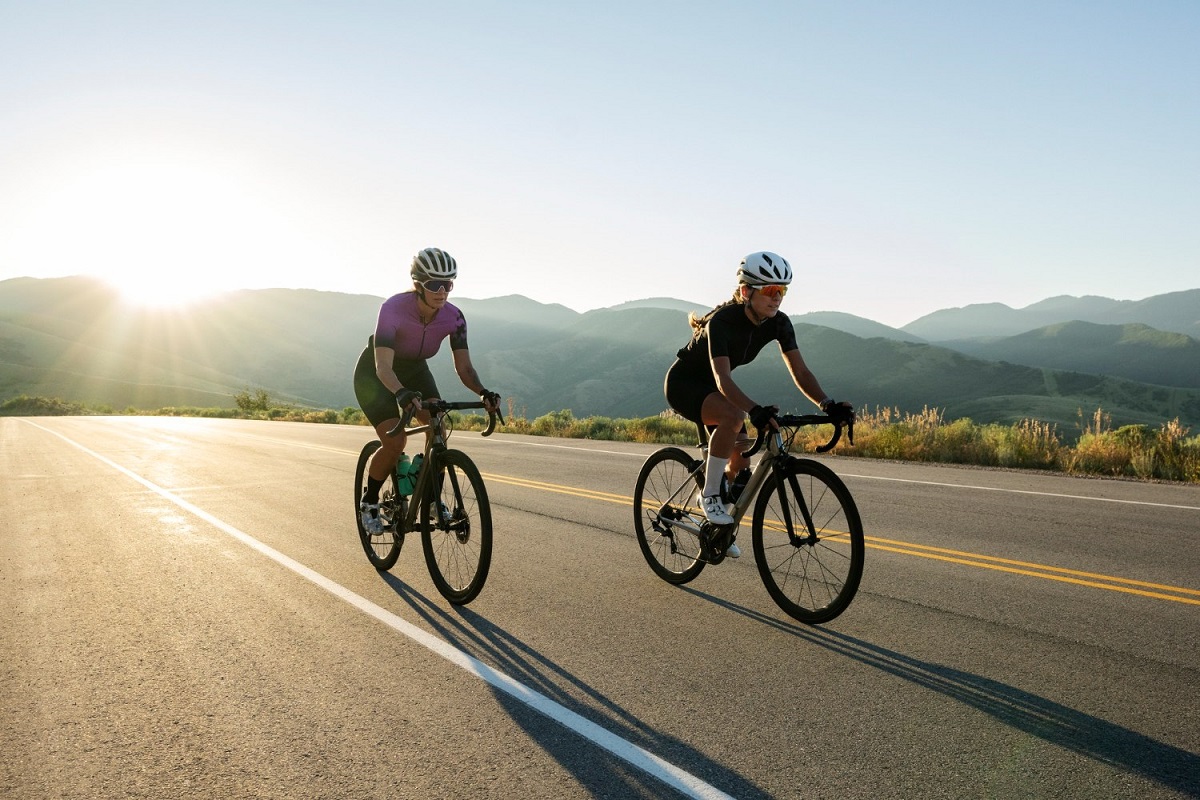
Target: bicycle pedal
x,y
715,541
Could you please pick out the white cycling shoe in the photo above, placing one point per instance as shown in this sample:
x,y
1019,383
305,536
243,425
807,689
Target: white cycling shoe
x,y
714,511
733,551
371,521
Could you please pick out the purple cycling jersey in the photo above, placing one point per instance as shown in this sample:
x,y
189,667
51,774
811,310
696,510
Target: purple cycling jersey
x,y
400,328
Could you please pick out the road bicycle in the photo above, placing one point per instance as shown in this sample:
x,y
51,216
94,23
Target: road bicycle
x,y
807,534
448,500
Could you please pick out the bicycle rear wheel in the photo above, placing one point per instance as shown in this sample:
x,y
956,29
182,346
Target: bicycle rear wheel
x,y
666,516
812,574
456,527
382,549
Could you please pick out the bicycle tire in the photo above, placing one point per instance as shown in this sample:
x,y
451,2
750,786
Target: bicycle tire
x,y
384,548
456,527
665,492
813,579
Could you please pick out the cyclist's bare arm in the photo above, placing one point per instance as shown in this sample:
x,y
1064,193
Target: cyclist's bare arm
x,y
383,368
466,371
805,381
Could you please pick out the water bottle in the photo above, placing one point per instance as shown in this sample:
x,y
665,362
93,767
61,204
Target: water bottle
x,y
739,483
404,483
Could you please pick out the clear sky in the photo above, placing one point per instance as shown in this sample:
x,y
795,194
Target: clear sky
x,y
904,156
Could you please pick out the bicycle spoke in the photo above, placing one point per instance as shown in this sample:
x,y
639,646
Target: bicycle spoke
x,y
812,574
382,548
456,528
666,516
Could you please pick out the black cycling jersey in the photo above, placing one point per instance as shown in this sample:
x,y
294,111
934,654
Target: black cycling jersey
x,y
730,333
727,332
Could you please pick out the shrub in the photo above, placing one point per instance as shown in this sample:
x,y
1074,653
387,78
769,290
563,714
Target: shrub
x,y
1132,450
25,406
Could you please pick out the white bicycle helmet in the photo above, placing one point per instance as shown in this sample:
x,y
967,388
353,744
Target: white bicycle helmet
x,y
433,264
764,269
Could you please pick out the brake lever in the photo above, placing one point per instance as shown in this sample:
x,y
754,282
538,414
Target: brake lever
x,y
403,423
837,434
491,426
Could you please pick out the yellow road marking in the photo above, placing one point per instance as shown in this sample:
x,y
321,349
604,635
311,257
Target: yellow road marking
x,y
1093,580
559,489
1080,578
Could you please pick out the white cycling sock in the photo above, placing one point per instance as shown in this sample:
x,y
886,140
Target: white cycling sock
x,y
713,474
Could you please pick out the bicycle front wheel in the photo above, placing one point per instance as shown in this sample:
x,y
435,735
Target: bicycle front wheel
x,y
809,546
456,527
383,548
666,516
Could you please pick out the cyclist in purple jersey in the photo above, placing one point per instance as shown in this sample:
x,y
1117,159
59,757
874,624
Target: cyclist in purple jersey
x,y
700,387
392,373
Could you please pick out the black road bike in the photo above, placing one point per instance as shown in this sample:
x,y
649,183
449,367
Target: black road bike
x,y
449,503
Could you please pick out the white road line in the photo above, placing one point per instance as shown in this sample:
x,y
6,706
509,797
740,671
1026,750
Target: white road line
x,y
1021,491
878,478
673,776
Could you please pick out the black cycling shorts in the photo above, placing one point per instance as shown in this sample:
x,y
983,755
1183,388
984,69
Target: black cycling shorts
x,y
686,391
376,401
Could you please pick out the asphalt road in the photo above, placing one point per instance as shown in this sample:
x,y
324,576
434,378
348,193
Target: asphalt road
x,y
187,612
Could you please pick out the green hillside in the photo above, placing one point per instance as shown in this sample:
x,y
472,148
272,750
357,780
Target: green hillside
x,y
72,338
1178,312
1133,351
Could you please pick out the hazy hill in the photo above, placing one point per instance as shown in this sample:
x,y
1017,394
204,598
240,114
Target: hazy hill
x,y
662,302
72,338
858,326
1134,351
1178,312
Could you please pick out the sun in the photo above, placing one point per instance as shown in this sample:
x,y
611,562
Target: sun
x,y
164,228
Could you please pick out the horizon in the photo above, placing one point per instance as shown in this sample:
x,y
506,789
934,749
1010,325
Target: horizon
x,y
184,306
903,160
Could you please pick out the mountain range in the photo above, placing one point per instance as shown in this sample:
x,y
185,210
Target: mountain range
x,y
72,338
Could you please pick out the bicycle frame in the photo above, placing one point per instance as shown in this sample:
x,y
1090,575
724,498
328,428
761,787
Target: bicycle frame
x,y
434,446
775,457
758,476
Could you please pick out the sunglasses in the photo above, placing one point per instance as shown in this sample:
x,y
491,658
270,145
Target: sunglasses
x,y
773,290
437,285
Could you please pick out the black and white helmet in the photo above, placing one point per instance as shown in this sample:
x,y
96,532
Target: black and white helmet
x,y
764,269
433,264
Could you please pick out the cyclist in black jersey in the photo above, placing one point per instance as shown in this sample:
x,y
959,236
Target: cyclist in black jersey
x,y
699,385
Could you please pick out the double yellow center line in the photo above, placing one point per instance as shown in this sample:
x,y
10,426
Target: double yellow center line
x,y
1092,580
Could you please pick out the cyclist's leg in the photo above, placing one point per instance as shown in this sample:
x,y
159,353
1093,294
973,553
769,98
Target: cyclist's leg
x,y
725,422
741,443
415,375
379,405
384,460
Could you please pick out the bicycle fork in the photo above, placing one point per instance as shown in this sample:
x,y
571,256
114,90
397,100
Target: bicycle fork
x,y
443,518
785,508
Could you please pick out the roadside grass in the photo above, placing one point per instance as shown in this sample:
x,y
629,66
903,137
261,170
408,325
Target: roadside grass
x,y
1167,453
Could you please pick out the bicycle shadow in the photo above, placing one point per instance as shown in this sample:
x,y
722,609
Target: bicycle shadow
x,y
480,638
1084,734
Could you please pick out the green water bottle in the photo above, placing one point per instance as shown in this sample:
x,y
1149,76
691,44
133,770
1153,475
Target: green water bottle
x,y
404,482
414,470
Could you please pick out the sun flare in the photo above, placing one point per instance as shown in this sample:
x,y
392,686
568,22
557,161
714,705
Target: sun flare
x,y
163,229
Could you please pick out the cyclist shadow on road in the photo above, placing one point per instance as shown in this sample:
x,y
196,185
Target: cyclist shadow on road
x,y
1087,735
601,772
